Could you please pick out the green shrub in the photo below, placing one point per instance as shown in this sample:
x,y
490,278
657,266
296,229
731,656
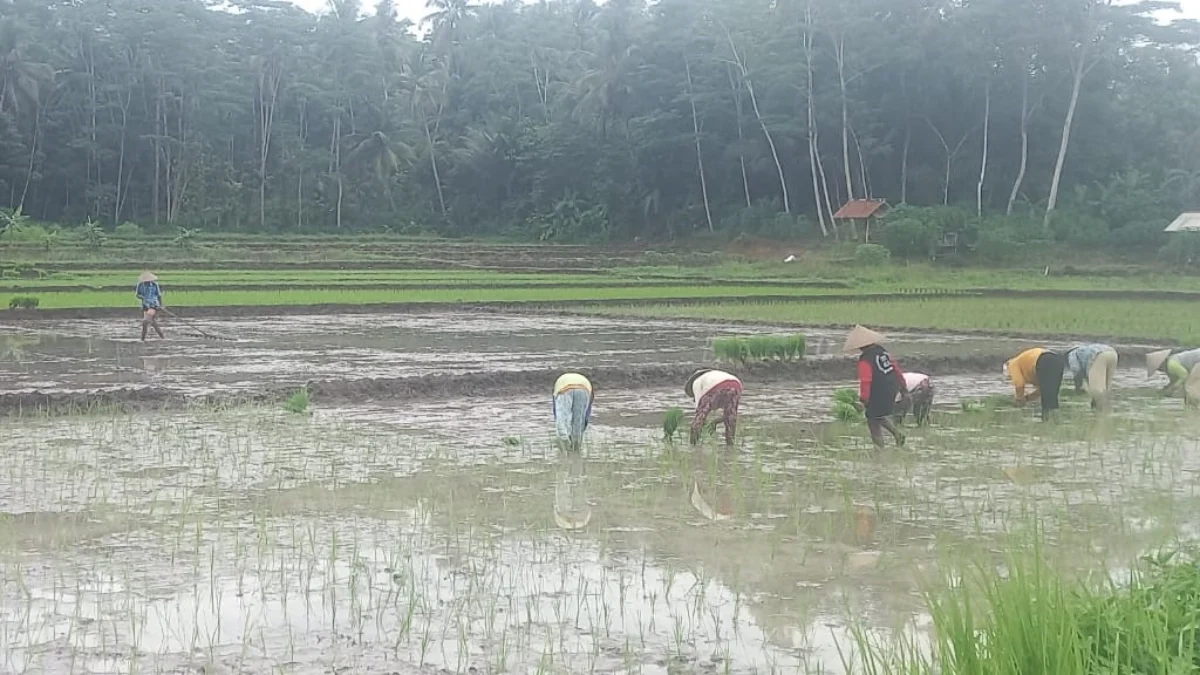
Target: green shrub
x,y
91,233
27,233
1145,235
672,420
23,302
1183,250
128,230
298,402
871,255
1003,239
911,238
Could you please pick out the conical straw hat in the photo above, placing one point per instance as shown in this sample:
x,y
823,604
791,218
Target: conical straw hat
x,y
861,337
1154,360
147,276
687,386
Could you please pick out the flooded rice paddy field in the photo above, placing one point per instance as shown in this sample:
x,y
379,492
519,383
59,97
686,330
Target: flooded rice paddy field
x,y
450,536
88,354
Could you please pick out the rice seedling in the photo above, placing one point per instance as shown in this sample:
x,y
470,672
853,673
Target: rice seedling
x,y
672,419
760,348
297,403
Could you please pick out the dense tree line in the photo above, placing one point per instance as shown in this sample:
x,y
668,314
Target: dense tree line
x,y
570,120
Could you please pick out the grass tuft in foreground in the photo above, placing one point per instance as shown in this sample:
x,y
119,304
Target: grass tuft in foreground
x,y
1032,620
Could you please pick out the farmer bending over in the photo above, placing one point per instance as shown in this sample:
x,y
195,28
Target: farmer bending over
x,y
1094,365
714,389
879,382
1182,369
149,292
1041,369
919,400
572,408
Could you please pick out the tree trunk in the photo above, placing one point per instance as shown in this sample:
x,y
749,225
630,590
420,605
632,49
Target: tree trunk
x,y
699,154
787,206
437,178
269,76
1081,70
1025,114
987,117
33,144
336,153
904,162
737,106
839,47
811,123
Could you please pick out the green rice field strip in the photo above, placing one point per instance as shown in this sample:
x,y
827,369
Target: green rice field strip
x,y
1073,317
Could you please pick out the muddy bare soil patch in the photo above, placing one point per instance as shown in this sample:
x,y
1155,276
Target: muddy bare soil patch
x,y
467,385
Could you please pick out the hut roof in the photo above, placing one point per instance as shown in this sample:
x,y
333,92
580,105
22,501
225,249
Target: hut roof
x,y
1186,222
860,209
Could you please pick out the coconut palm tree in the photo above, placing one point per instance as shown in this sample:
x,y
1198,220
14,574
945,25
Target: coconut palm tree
x,y
23,83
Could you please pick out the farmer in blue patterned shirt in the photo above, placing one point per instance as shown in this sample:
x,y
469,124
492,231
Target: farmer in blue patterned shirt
x,y
1095,365
149,292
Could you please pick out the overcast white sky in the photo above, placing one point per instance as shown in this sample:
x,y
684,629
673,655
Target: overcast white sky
x,y
415,9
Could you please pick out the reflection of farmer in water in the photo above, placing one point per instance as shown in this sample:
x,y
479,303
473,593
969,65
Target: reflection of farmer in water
x,y
714,389
572,408
1182,369
149,292
1094,365
1043,370
919,400
879,382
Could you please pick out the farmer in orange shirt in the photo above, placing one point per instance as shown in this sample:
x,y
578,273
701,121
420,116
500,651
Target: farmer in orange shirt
x,y
1041,369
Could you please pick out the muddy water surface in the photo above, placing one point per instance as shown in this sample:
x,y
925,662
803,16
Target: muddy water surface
x,y
88,355
438,537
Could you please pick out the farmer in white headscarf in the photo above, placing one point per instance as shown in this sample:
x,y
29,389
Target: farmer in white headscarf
x,y
713,390
1182,369
572,408
919,400
1094,365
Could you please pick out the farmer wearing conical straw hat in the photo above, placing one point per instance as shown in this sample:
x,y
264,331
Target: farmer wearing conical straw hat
x,y
151,295
879,381
572,401
1041,369
1095,365
714,389
1182,369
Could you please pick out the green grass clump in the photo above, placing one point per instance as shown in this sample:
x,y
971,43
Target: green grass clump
x,y
672,420
760,348
1032,620
23,302
297,403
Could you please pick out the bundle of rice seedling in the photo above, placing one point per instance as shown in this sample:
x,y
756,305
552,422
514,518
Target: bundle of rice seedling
x,y
672,420
845,406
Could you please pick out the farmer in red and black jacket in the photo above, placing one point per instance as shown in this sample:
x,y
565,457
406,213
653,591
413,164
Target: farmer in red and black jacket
x,y
879,381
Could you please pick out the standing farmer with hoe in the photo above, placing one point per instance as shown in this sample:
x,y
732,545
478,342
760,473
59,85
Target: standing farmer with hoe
x,y
149,292
879,382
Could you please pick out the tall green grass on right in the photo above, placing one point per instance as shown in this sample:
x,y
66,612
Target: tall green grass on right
x,y
1033,620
